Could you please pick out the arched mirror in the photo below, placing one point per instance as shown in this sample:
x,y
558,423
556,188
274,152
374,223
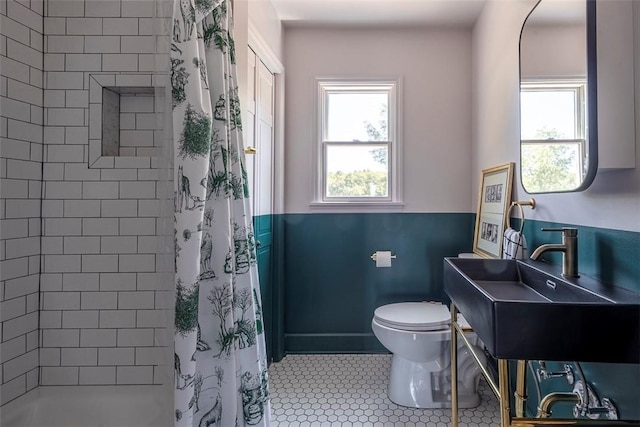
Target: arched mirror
x,y
558,121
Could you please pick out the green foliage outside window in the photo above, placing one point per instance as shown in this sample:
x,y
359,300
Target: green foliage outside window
x,y
548,166
379,133
363,183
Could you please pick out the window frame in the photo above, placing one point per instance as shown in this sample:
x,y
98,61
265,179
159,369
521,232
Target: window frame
x,y
327,86
579,87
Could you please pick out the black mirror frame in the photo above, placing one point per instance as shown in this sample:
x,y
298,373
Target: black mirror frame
x,y
592,99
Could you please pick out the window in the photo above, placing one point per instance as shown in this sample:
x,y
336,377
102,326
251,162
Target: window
x,y
553,134
357,142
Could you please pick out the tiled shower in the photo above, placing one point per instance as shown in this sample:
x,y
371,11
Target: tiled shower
x,y
85,283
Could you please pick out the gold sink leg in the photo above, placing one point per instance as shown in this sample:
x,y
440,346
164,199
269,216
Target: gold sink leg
x,y
503,380
454,367
521,390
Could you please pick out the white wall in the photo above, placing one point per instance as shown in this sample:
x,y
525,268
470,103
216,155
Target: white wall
x,y
435,67
612,201
554,51
21,147
264,19
261,15
103,310
496,129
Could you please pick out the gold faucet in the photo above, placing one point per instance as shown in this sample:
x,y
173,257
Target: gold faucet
x,y
568,247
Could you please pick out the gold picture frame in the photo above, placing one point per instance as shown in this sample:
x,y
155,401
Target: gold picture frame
x,y
494,200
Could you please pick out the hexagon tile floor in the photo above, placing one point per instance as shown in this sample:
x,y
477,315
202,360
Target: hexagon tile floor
x,y
351,391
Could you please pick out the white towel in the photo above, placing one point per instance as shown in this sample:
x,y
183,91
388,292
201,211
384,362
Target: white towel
x,y
506,243
514,245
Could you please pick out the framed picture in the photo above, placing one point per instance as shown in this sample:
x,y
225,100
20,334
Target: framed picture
x,y
493,206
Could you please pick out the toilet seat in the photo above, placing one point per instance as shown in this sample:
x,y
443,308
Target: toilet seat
x,y
414,316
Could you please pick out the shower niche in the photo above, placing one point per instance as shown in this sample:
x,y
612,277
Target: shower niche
x,y
125,120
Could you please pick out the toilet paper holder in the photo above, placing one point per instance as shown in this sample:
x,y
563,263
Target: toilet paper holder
x,y
374,256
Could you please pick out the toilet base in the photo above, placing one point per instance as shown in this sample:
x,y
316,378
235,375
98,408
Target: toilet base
x,y
414,385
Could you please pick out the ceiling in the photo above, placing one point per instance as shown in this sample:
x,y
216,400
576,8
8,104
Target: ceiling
x,y
378,12
555,12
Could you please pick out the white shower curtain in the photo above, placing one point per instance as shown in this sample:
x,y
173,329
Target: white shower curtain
x,y
220,359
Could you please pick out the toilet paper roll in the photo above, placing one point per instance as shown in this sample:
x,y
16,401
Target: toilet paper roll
x,y
383,258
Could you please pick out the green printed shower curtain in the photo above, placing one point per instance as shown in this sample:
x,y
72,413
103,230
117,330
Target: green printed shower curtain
x,y
220,359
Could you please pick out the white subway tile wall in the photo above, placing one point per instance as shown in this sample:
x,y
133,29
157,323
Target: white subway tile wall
x,y
81,298
21,119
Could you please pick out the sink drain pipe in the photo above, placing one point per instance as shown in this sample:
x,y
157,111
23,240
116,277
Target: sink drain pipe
x,y
544,408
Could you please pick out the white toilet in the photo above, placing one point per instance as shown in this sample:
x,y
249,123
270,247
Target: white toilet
x,y
418,335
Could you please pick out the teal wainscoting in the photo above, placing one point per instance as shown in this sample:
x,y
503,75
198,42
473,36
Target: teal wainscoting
x,y
325,287
263,230
332,286
277,289
613,257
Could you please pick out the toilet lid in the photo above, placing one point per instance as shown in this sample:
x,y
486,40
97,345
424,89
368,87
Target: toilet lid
x,y
414,316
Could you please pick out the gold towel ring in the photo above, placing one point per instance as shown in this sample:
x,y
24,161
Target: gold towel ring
x,y
531,202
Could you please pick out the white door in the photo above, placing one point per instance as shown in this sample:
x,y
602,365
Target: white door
x,y
260,135
264,144
259,154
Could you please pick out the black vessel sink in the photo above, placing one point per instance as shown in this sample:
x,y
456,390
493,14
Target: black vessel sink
x,y
527,310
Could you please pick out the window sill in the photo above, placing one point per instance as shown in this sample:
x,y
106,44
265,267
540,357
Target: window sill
x,y
372,206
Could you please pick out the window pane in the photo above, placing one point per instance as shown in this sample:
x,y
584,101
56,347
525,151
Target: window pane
x,y
551,167
548,114
357,116
357,171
